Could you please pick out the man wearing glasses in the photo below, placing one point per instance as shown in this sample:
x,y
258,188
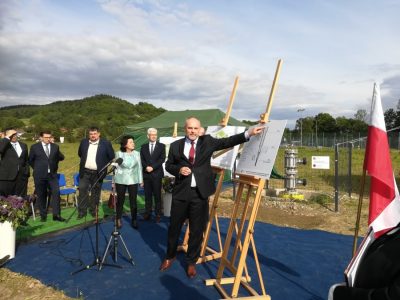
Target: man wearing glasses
x,y
44,158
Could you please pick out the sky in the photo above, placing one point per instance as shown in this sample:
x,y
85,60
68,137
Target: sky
x,y
186,54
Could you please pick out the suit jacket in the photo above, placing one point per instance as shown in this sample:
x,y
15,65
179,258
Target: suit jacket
x,y
378,275
40,163
201,168
130,170
105,153
155,160
10,163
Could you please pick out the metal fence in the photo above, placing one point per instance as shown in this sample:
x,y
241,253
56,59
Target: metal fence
x,y
346,155
331,139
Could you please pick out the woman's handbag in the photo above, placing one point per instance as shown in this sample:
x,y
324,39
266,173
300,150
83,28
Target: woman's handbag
x,y
111,201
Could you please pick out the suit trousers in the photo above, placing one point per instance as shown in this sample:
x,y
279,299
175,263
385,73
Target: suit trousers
x,y
42,186
196,209
18,186
89,192
152,187
132,191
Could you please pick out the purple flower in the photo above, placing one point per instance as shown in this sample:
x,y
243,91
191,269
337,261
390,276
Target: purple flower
x,y
13,209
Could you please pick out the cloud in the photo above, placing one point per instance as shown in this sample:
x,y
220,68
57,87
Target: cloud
x,y
186,55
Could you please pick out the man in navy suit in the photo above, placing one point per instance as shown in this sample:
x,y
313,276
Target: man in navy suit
x,y
189,161
44,158
152,155
95,153
14,167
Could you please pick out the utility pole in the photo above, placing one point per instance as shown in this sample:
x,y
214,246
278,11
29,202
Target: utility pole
x,y
300,110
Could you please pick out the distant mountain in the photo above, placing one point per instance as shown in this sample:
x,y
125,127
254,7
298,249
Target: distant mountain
x,y
71,118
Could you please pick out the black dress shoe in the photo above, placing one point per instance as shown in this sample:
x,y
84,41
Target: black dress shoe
x,y
58,218
43,219
134,224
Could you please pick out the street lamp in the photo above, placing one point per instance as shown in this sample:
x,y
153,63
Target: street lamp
x,y
300,110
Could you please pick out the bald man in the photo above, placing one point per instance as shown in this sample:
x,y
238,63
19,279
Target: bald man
x,y
189,161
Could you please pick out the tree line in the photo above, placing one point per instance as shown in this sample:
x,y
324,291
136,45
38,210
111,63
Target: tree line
x,y
71,118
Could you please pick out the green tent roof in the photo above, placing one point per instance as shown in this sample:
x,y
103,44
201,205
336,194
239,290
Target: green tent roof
x,y
164,124
167,119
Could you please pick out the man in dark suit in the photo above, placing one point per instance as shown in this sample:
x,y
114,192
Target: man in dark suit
x,y
152,155
44,158
189,161
95,153
378,274
14,167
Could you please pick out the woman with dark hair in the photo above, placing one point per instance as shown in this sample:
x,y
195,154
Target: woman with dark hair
x,y
128,176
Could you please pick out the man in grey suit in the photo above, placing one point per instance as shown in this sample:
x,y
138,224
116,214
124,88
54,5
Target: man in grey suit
x,y
152,155
14,167
44,158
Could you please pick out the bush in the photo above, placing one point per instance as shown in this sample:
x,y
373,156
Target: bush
x,y
321,199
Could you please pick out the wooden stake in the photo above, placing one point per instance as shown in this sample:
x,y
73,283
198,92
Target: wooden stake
x,y
360,199
225,120
175,133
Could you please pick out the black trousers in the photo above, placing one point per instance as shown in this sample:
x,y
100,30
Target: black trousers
x,y
132,191
89,183
18,186
42,186
196,209
152,187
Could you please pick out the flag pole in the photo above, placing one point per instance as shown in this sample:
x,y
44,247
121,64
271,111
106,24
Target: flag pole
x,y
359,212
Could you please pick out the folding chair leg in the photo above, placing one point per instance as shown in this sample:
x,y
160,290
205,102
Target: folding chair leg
x,y
33,211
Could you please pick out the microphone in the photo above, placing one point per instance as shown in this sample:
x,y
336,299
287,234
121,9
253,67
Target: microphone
x,y
108,164
115,164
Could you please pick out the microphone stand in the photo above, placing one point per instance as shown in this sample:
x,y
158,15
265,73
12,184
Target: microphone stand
x,y
96,262
115,234
101,172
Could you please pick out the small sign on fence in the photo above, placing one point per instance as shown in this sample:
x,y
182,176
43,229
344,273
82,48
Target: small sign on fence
x,y
320,162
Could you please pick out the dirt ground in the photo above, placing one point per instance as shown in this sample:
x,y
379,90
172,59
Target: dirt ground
x,y
304,214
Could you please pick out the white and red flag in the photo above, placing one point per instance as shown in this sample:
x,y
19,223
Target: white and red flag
x,y
384,206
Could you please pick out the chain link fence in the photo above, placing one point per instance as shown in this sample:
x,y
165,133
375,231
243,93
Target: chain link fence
x,y
346,158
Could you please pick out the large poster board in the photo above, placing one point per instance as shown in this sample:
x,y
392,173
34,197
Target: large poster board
x,y
224,159
259,154
167,141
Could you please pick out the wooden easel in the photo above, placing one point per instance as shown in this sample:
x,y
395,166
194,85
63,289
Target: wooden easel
x,y
236,263
213,215
175,133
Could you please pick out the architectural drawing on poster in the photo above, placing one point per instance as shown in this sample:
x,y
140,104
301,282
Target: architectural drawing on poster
x,y
258,156
167,141
224,159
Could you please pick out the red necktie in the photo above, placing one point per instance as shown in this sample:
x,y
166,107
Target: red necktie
x,y
191,153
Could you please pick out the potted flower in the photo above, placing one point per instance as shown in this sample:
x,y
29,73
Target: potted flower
x,y
13,212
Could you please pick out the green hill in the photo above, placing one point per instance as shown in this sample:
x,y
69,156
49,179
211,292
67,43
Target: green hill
x,y
71,118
